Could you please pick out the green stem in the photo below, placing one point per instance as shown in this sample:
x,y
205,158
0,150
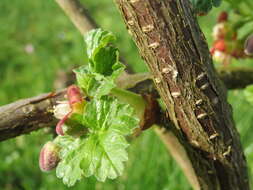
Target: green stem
x,y
133,99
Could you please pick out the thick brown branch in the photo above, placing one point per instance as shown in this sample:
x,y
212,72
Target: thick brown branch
x,y
235,78
13,116
28,115
171,43
34,113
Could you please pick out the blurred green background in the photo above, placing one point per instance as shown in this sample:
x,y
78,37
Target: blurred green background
x,y
36,41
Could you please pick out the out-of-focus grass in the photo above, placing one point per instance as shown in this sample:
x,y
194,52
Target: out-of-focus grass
x,y
36,40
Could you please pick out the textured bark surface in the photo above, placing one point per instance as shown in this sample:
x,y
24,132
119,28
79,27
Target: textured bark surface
x,y
235,78
28,115
170,41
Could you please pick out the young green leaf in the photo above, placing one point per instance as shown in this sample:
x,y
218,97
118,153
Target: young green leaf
x,y
108,113
69,167
97,78
97,39
102,152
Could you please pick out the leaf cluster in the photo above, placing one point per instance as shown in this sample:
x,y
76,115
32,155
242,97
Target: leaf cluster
x,y
102,150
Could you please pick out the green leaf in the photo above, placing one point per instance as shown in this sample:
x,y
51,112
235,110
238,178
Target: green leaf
x,y
108,113
245,30
204,6
101,155
69,167
74,125
97,39
102,152
95,84
248,92
97,78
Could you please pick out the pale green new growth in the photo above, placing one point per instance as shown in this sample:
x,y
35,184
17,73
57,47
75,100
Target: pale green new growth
x,y
97,78
102,150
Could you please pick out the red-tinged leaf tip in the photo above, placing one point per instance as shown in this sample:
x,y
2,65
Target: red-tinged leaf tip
x,y
248,46
59,125
49,157
74,95
223,17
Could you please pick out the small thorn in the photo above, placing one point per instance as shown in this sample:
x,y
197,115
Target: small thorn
x,y
195,143
175,94
175,74
227,152
202,115
166,70
200,76
147,28
134,1
154,45
199,102
204,86
213,136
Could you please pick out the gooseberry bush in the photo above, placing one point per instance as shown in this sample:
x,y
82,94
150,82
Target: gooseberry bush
x,y
93,121
97,115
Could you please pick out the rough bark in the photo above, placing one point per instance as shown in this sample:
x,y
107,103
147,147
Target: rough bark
x,y
21,122
28,115
170,41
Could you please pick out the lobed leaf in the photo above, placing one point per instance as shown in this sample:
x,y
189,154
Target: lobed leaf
x,y
102,152
97,78
107,113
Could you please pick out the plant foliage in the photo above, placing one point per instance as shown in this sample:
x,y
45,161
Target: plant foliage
x,y
204,6
102,150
